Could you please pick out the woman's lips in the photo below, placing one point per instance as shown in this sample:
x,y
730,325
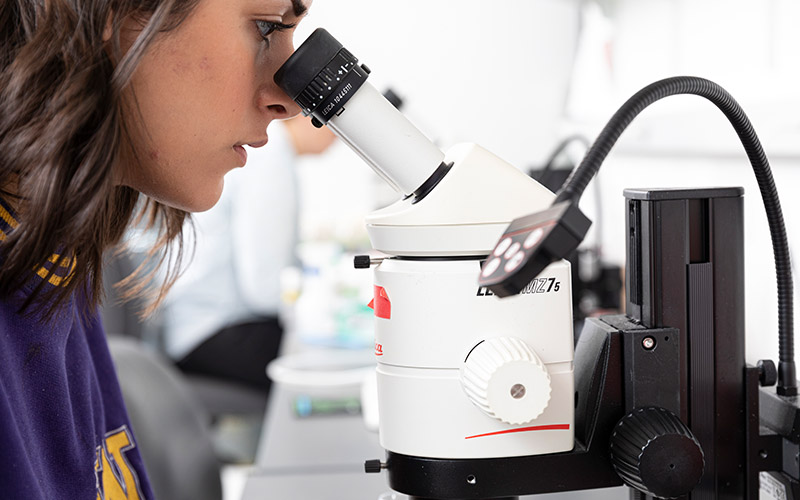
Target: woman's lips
x,y
243,152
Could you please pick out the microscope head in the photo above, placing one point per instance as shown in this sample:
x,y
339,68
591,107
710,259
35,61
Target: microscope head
x,y
456,203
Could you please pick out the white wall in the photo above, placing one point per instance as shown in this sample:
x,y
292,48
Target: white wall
x,y
752,49
501,74
495,73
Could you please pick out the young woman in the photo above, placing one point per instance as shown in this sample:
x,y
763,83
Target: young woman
x,y
102,101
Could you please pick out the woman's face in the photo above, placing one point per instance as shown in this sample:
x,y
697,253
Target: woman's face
x,y
203,90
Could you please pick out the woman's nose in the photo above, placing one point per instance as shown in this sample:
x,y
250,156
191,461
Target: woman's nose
x,y
273,97
275,100
279,104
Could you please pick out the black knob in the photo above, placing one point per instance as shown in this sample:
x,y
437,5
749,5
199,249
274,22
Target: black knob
x,y
654,452
393,98
767,373
373,466
361,261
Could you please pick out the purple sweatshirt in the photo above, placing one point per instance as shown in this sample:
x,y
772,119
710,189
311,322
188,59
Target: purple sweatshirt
x,y
64,431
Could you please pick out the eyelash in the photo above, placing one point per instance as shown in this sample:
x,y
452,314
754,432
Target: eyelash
x,y
267,28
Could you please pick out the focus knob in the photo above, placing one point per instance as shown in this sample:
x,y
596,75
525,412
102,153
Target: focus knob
x,y
506,380
655,453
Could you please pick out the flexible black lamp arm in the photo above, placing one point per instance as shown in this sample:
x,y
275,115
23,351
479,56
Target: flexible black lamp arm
x,y
576,183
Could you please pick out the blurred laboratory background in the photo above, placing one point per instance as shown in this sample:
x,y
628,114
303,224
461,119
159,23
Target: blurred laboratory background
x,y
532,81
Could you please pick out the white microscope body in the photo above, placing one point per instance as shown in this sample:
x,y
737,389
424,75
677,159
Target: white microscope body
x,y
461,373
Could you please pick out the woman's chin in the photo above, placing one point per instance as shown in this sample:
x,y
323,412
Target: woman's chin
x,y
202,203
186,199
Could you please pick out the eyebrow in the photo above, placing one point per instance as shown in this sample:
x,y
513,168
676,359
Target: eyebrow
x,y
299,8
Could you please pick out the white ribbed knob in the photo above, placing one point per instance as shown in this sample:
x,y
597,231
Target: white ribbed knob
x,y
507,380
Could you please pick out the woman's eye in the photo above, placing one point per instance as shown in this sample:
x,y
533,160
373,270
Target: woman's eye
x,y
267,28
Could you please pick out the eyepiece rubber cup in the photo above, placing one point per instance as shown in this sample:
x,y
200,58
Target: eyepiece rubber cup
x,y
307,62
321,76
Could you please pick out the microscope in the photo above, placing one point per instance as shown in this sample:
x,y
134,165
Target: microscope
x,y
484,391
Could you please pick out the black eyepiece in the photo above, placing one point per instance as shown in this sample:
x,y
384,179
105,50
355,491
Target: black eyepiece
x,y
321,76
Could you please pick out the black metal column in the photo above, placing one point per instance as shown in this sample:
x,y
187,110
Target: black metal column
x,y
686,271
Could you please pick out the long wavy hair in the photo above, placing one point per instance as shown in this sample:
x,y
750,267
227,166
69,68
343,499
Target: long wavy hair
x,y
63,133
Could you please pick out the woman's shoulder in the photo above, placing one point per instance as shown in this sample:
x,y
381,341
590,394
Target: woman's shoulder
x,y
54,272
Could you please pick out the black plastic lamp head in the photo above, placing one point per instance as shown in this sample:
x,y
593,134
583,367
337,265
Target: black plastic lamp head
x,y
530,244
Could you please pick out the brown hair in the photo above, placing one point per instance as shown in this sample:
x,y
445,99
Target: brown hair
x,y
62,136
